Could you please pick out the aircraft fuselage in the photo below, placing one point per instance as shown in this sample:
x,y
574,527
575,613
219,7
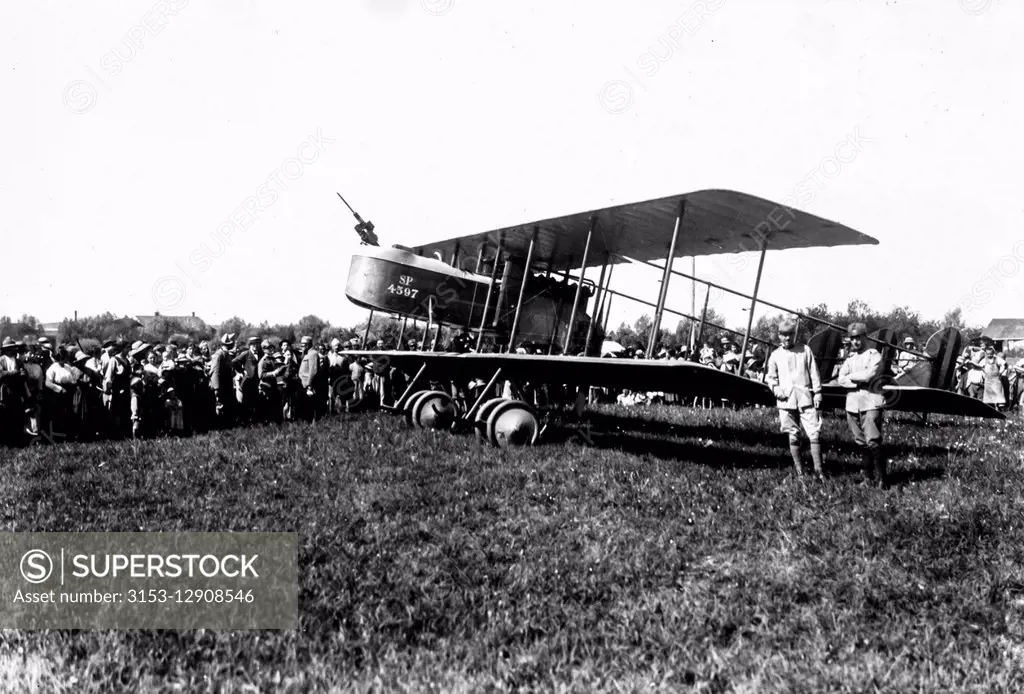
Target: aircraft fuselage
x,y
397,281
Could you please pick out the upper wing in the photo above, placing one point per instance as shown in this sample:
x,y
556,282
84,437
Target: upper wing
x,y
681,377
714,221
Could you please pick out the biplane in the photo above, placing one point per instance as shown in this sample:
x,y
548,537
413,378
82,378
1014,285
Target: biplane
x,y
527,284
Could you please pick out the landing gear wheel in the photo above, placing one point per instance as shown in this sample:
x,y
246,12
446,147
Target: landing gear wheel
x,y
512,423
410,405
434,410
482,413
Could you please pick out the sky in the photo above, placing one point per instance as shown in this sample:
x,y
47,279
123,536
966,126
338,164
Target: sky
x,y
181,157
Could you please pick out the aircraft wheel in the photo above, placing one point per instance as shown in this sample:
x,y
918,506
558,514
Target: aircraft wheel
x,y
434,410
512,423
482,413
410,405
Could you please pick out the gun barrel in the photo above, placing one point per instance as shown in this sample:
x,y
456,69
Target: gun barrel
x,y
354,213
346,204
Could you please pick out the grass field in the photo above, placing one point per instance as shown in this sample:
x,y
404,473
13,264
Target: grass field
x,y
683,556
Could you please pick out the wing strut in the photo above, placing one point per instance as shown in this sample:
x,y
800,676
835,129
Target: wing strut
x,y
430,322
522,290
472,306
734,292
597,303
666,275
401,333
502,293
615,292
579,287
753,305
703,320
558,310
490,289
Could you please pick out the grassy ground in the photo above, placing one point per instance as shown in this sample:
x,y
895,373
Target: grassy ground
x,y
684,556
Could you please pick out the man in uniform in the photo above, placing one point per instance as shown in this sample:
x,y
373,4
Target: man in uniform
x,y
222,381
248,363
859,373
313,375
793,378
269,371
340,384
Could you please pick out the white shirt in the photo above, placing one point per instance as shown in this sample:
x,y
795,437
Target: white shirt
x,y
793,377
60,375
860,370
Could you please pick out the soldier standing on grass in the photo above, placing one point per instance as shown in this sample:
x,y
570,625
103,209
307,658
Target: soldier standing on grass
x,y
314,376
859,373
221,381
248,363
269,371
793,378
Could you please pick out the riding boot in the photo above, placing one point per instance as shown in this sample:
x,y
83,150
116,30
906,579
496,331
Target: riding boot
x,y
879,467
867,465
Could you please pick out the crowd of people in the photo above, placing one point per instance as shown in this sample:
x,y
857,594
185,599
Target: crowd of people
x,y
984,374
121,389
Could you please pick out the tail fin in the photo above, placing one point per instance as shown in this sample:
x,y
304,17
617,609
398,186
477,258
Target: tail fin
x,y
885,343
825,346
943,347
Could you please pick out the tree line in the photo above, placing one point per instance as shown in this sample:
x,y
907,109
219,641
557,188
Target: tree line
x,y
902,319
162,329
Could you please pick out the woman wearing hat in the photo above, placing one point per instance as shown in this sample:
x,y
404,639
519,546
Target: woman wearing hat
x,y
13,393
288,382
62,385
994,368
141,388
905,360
117,380
88,401
730,356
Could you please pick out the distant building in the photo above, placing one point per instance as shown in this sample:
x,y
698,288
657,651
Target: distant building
x,y
1007,333
186,322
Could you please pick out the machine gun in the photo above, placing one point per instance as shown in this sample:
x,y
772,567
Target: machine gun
x,y
364,228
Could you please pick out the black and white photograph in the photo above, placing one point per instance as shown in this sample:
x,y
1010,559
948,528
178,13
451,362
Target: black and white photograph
x,y
450,346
